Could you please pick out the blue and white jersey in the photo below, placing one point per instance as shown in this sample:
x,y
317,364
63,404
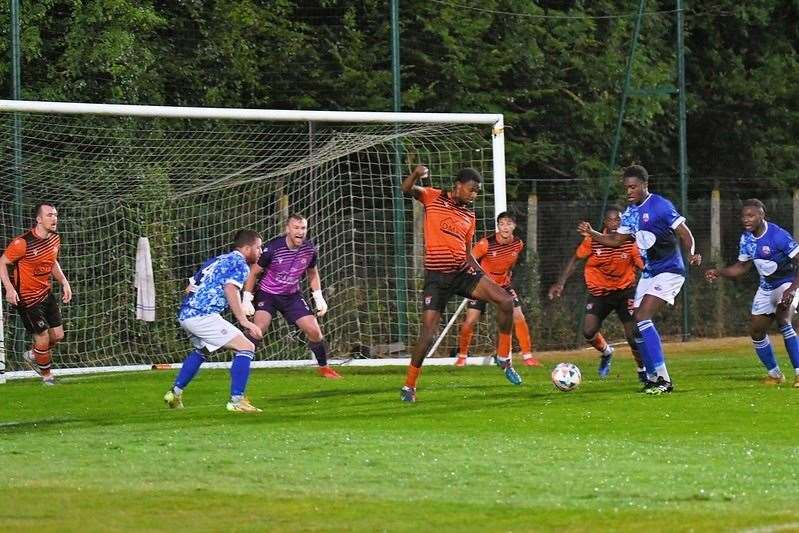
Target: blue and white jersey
x,y
207,285
773,254
653,222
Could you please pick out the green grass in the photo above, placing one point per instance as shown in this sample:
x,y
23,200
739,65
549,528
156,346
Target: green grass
x,y
474,453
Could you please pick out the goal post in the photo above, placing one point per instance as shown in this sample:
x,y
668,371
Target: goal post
x,y
187,177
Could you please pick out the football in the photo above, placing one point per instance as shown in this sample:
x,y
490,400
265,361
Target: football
x,y
566,377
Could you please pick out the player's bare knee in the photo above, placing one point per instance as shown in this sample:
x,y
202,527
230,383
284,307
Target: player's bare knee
x,y
56,336
506,305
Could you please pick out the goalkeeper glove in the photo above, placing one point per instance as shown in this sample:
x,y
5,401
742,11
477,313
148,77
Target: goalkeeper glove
x,y
321,304
246,304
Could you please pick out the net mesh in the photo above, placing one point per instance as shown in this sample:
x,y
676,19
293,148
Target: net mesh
x,y
188,185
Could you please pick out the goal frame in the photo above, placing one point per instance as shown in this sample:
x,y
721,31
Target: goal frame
x,y
493,120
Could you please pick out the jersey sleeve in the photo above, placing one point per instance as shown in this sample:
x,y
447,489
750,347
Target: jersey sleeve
x,y
787,244
480,249
584,249
237,274
266,256
428,194
629,222
670,214
746,249
16,250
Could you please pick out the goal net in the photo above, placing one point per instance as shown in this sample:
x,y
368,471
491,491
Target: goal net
x,y
187,178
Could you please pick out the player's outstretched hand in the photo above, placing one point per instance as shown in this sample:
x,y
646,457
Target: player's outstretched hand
x,y
695,259
584,229
253,330
787,297
711,275
555,291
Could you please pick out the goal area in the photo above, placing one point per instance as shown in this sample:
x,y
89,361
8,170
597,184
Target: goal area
x,y
187,178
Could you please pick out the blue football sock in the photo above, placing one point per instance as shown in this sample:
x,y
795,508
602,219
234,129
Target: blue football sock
x,y
654,349
791,343
639,342
240,372
189,369
766,353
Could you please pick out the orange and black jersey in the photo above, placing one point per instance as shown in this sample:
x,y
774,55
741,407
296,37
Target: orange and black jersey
x,y
609,269
448,228
498,259
33,259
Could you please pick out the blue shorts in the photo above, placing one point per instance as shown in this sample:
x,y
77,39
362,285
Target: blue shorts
x,y
292,306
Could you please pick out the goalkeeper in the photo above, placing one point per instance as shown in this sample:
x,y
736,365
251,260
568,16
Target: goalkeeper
x,y
284,261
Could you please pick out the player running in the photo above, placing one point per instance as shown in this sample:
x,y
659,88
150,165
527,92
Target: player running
x,y
610,277
213,288
497,254
284,261
776,257
34,254
449,227
658,229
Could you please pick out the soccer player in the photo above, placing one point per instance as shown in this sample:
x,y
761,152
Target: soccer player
x,y
34,254
610,277
497,254
284,261
450,269
776,257
212,289
658,229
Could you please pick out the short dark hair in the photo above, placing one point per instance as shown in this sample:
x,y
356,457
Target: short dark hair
x,y
465,175
754,202
295,216
39,208
611,208
245,237
636,171
506,214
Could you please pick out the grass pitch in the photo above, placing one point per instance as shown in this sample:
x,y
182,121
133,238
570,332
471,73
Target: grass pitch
x,y
474,454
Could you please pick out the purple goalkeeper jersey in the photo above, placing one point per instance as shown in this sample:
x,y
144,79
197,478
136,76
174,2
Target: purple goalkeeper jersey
x,y
283,267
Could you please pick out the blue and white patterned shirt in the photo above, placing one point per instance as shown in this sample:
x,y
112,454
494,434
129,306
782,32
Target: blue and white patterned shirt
x,y
207,292
653,222
773,254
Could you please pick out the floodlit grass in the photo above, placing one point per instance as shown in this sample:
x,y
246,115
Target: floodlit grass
x,y
474,453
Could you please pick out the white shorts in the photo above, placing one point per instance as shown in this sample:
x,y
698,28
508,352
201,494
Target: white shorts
x,y
665,286
210,331
765,301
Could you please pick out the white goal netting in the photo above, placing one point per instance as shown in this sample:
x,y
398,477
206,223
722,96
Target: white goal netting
x,y
189,184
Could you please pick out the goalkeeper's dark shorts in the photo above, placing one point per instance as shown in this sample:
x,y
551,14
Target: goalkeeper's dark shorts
x,y
292,306
480,305
440,287
42,316
621,301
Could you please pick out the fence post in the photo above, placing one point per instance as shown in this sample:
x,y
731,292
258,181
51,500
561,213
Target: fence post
x,y
533,278
717,290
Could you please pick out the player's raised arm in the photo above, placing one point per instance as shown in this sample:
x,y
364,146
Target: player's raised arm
x,y
249,286
735,270
688,243
409,183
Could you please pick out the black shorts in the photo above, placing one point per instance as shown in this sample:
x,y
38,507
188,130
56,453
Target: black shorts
x,y
439,287
42,316
620,301
480,305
